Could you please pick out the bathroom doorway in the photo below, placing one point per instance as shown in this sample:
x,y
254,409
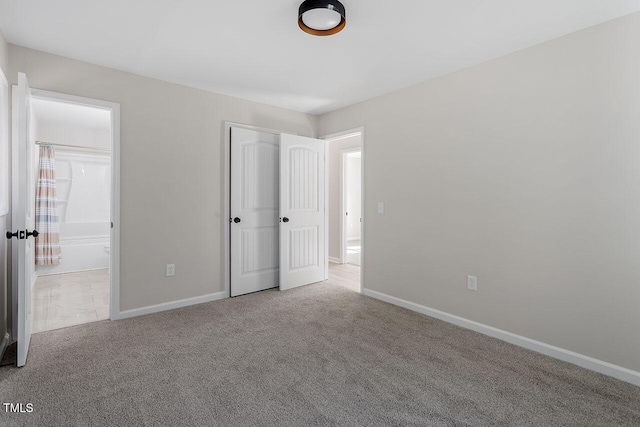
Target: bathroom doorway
x,y
75,142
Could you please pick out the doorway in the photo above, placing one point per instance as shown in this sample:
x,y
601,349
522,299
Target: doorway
x,y
65,167
35,200
345,208
74,289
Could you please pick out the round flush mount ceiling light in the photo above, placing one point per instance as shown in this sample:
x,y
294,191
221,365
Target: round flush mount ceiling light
x,y
321,17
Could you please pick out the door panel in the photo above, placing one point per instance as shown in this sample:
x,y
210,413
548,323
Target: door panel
x,y
23,206
303,244
255,162
302,250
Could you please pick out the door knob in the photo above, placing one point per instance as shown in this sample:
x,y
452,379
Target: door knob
x,y
285,219
20,234
236,220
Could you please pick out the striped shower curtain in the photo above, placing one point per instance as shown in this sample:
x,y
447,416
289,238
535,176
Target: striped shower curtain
x,y
48,241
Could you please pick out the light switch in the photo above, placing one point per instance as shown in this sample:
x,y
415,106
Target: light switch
x,y
380,207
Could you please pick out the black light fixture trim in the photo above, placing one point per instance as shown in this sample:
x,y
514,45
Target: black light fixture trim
x,y
334,5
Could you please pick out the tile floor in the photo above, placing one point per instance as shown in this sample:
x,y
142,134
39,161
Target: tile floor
x,y
346,275
353,252
62,300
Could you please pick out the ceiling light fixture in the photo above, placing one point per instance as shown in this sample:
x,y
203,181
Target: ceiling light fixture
x,y
321,17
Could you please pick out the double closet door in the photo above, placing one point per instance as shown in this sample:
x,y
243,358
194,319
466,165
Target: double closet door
x,y
277,218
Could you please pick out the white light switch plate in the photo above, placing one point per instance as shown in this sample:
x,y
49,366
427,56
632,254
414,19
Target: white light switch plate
x,y
380,207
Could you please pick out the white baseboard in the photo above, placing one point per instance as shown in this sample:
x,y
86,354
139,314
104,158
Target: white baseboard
x,y
581,360
335,260
170,305
4,344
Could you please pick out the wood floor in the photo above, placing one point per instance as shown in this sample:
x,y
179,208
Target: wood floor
x,y
62,300
345,275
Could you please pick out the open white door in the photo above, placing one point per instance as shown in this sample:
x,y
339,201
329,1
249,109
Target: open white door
x,y
254,211
23,207
302,211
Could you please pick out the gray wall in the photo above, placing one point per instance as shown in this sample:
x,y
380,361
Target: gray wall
x,y
523,171
4,308
172,164
4,55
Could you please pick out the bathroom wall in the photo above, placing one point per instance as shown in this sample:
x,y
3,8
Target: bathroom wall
x,y
83,136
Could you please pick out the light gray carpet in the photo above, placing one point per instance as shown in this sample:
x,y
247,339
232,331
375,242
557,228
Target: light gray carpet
x,y
318,355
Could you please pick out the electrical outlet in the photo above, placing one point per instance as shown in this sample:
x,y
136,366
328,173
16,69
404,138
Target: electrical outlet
x,y
171,270
472,283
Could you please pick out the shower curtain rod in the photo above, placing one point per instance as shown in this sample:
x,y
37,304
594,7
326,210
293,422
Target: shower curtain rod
x,y
72,146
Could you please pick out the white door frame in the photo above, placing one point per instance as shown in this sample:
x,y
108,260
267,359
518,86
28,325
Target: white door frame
x,y
226,232
114,251
5,166
5,162
343,201
363,214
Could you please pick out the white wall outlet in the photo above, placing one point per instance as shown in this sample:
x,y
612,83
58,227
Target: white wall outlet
x,y
380,207
171,270
472,283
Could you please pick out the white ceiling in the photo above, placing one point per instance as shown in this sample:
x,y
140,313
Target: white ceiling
x,y
73,115
253,49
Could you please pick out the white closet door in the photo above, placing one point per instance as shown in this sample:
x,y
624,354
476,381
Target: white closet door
x,y
23,211
254,211
302,211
